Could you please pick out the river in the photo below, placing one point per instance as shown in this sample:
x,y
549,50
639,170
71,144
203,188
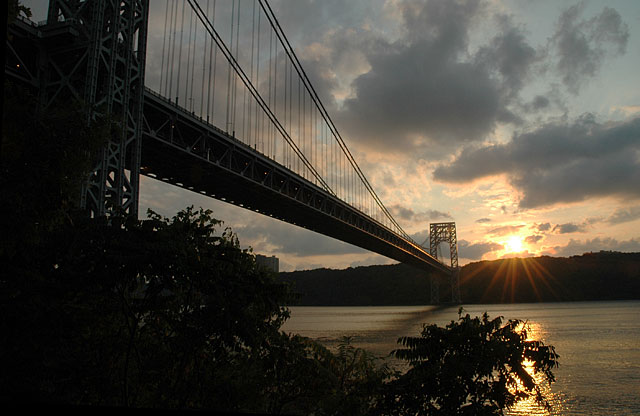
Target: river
x,y
598,344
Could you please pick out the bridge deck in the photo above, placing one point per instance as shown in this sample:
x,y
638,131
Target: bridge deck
x,y
181,149
184,150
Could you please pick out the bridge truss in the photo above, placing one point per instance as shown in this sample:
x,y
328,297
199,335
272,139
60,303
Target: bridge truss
x,y
230,118
445,232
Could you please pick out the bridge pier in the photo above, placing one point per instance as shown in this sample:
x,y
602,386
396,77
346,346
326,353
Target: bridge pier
x,y
445,232
101,63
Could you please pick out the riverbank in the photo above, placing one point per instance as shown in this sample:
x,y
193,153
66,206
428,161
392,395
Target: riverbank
x,y
589,277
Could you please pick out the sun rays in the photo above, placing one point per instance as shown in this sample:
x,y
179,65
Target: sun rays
x,y
513,278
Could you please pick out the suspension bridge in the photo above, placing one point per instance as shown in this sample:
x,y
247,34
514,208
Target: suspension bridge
x,y
214,100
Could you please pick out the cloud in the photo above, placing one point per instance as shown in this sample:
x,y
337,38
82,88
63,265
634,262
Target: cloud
x,y
277,237
372,260
426,88
505,230
521,254
558,162
539,102
544,227
569,228
483,220
510,55
622,215
533,239
408,214
582,45
475,251
575,247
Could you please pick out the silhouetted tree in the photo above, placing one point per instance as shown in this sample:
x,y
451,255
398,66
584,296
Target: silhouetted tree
x,y
475,366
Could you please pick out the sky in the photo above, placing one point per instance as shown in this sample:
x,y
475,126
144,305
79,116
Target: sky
x,y
518,120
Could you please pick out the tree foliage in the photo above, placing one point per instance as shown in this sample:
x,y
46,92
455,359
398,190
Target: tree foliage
x,y
475,366
137,312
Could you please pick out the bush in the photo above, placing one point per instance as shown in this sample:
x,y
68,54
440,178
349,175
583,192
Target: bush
x,y
473,366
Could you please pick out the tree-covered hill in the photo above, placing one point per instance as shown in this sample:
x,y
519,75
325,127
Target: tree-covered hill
x,y
591,276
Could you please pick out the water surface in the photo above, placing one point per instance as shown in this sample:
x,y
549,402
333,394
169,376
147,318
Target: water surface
x,y
598,344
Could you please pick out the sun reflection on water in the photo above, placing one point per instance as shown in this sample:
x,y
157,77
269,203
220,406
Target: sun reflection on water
x,y
530,406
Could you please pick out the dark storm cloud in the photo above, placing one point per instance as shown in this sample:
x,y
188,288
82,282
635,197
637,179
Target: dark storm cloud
x,y
477,250
558,162
426,87
510,54
582,45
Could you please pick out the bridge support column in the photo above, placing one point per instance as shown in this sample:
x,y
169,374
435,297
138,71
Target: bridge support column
x,y
435,290
445,232
455,286
101,63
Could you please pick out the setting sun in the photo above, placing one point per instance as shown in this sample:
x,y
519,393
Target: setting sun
x,y
513,244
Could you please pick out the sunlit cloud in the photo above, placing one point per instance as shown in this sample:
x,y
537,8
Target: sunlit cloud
x,y
476,251
505,230
559,163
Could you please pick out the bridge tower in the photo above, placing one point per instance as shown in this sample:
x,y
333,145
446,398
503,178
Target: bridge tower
x,y
94,52
445,232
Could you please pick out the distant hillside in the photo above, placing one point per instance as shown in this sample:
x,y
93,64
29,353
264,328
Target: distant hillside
x,y
592,276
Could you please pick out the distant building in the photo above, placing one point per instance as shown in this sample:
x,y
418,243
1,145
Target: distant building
x,y
270,263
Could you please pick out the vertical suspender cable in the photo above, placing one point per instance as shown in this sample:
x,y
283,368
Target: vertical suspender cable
x,y
233,9
193,64
180,53
173,48
275,96
186,85
255,93
253,34
244,92
215,62
235,78
286,96
259,132
204,67
271,152
164,41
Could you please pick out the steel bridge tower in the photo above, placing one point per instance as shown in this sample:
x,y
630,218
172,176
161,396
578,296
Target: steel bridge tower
x,y
95,54
445,232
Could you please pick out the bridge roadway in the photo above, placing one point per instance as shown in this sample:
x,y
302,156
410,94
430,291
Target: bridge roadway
x,y
184,150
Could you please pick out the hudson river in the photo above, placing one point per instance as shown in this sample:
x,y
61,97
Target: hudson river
x,y
598,344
